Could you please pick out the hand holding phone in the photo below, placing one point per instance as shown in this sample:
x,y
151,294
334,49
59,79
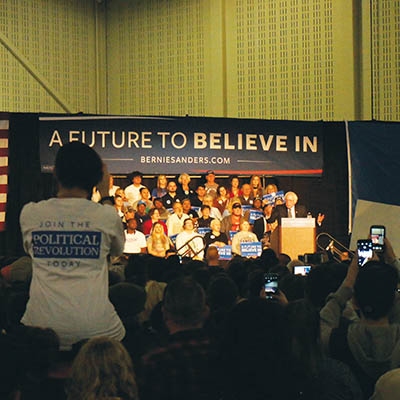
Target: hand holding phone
x,y
270,285
301,269
377,234
364,251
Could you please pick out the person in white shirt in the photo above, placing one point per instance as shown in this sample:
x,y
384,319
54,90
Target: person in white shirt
x,y
195,248
214,212
135,241
69,239
132,192
112,188
175,220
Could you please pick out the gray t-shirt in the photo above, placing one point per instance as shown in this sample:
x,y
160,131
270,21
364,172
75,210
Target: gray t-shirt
x,y
69,240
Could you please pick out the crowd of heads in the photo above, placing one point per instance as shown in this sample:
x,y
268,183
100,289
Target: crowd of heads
x,y
253,336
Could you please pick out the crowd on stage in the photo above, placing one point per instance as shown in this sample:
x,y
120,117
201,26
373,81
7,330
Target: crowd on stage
x,y
149,309
224,215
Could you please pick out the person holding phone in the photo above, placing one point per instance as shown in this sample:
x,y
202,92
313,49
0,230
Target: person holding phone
x,y
377,234
370,346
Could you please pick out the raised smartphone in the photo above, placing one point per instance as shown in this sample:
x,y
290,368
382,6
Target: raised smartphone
x,y
364,251
270,284
377,234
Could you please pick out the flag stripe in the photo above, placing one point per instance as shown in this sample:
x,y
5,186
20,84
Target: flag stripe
x,y
4,134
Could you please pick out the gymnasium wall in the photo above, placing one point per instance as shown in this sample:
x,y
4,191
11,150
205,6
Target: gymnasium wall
x,y
287,59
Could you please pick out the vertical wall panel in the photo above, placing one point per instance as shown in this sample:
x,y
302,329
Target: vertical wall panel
x,y
159,55
284,58
386,59
57,40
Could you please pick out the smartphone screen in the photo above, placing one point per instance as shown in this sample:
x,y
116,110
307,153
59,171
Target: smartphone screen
x,y
364,250
377,233
270,284
301,270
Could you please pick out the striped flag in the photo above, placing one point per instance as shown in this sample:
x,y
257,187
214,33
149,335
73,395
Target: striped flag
x,y
4,124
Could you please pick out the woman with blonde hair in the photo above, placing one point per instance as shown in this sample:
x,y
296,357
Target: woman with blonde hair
x,y
184,191
161,189
158,242
102,370
256,186
271,188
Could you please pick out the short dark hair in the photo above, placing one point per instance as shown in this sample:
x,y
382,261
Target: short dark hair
x,y
78,165
133,174
186,220
375,289
185,301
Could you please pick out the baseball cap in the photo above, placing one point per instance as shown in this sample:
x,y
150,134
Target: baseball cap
x,y
210,172
236,205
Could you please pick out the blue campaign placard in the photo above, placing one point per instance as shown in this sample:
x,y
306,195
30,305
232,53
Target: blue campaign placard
x,y
271,198
254,215
225,252
246,207
203,231
232,234
250,249
173,238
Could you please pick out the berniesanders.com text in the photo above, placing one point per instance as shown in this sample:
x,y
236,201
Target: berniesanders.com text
x,y
184,160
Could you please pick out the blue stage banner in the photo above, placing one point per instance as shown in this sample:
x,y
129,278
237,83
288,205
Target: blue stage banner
x,y
172,145
375,161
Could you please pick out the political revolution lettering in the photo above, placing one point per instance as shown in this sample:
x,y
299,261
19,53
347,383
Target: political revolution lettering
x,y
161,145
66,244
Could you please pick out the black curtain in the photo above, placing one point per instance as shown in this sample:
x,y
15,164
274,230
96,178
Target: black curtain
x,y
327,194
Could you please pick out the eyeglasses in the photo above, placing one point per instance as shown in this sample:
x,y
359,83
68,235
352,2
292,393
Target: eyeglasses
x,y
237,206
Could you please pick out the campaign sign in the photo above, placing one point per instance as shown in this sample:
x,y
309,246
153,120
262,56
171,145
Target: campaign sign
x,y
225,252
246,207
271,198
254,215
232,234
203,231
173,238
250,249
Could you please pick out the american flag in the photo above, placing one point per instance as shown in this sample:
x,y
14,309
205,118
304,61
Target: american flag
x,y
4,124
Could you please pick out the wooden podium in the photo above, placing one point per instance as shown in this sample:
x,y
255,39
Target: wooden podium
x,y
297,236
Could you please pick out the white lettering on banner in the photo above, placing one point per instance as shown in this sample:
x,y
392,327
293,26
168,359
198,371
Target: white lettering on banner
x,y
184,160
179,140
307,144
55,139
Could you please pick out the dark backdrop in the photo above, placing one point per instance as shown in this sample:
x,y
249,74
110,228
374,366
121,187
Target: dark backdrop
x,y
327,194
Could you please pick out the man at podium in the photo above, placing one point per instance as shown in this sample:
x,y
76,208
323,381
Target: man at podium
x,y
292,210
296,232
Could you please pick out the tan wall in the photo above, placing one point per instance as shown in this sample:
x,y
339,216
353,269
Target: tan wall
x,y
48,56
292,59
